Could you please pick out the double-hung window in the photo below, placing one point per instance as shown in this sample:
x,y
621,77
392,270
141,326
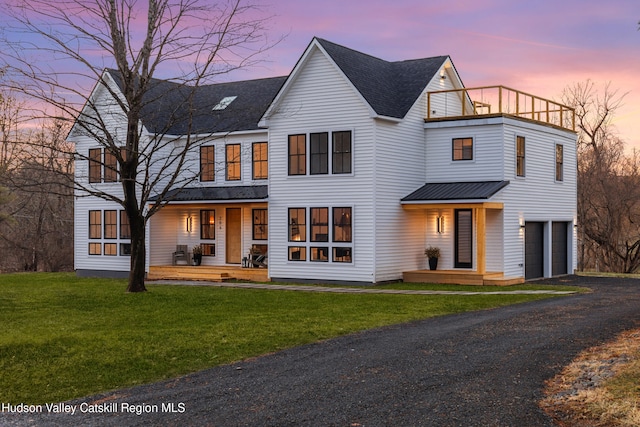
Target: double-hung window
x,y
341,162
260,160
207,163
233,162
319,153
297,155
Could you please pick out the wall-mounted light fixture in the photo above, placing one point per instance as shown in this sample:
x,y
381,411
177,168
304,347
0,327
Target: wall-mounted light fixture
x,y
440,224
189,224
443,76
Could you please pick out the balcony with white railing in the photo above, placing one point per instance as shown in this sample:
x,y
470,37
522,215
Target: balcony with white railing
x,y
495,101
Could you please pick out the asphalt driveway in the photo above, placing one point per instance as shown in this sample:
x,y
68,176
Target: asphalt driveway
x,y
474,369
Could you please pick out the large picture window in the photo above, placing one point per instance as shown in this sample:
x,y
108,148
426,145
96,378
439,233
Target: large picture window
x,y
297,155
111,225
233,162
321,221
207,163
462,148
260,160
341,152
319,153
208,224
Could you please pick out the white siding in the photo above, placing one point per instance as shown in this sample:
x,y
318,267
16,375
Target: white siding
x,y
321,100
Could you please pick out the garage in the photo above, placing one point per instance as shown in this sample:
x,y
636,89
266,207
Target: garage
x,y
533,250
559,248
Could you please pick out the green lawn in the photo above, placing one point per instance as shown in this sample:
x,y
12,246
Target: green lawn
x,y
64,337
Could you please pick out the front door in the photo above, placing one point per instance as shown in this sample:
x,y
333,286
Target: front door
x,y
234,236
463,238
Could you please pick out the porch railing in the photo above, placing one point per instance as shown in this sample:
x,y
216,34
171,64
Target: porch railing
x,y
487,100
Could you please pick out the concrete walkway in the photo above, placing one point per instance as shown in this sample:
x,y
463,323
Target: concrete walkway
x,y
354,289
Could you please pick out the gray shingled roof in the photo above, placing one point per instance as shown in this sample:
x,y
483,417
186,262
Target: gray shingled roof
x,y
390,88
248,192
480,190
167,105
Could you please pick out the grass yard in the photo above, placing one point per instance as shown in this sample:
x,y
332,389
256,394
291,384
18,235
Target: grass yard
x,y
64,337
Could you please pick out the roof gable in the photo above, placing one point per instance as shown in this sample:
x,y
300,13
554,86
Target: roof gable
x,y
390,88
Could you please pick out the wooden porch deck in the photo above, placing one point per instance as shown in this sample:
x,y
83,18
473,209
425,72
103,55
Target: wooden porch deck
x,y
207,273
458,277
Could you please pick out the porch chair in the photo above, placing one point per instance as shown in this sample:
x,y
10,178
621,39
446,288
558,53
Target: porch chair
x,y
181,253
259,261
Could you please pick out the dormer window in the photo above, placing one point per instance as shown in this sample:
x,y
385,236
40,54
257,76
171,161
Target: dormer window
x,y
224,103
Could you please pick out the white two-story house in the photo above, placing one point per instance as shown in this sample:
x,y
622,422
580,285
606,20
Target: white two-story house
x,y
347,169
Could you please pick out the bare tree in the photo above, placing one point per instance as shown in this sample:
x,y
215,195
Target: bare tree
x,y
608,183
194,40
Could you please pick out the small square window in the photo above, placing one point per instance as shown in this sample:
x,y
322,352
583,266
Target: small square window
x,y
463,149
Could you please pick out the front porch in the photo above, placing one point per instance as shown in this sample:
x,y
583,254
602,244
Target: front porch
x,y
207,273
460,277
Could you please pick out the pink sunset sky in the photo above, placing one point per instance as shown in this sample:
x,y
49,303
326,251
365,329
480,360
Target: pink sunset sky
x,y
539,46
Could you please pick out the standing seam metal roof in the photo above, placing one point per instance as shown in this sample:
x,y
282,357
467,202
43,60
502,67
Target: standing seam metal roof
x,y
480,190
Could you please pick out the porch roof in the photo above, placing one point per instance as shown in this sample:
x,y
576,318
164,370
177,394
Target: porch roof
x,y
450,191
203,194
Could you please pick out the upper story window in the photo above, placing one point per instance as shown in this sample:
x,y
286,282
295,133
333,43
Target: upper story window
x,y
319,153
297,155
520,155
95,165
110,167
559,163
260,160
318,149
341,152
233,162
207,163
462,148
